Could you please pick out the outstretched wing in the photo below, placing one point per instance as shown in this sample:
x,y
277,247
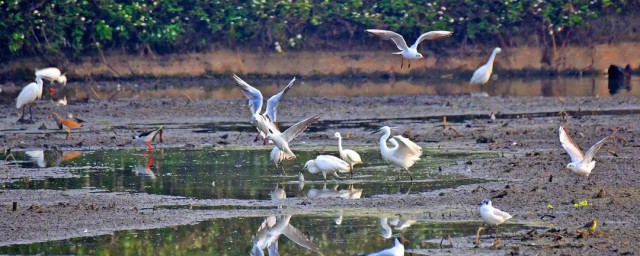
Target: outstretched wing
x,y
252,94
390,35
407,148
272,103
298,128
593,150
431,35
300,239
569,146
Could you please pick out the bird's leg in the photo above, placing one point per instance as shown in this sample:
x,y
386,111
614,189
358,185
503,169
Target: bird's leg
x,y
283,170
398,178
409,66
336,174
23,113
351,170
31,112
149,145
410,176
401,63
256,139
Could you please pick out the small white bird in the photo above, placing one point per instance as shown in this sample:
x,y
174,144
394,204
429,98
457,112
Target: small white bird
x,y
28,96
62,102
581,164
281,140
38,157
52,75
348,155
403,154
148,137
492,216
409,53
277,157
482,74
396,250
327,165
265,121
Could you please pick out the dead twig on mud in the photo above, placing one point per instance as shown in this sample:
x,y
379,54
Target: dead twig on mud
x,y
188,98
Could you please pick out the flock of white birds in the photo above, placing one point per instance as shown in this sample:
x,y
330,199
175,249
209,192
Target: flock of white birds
x,y
402,154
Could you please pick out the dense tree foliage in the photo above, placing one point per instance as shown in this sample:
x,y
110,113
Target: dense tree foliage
x,y
75,27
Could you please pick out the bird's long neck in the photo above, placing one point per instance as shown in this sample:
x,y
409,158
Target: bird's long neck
x,y
491,59
39,83
383,140
340,145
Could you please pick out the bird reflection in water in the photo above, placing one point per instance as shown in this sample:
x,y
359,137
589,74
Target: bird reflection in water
x,y
145,170
398,224
270,232
37,156
349,193
278,195
61,157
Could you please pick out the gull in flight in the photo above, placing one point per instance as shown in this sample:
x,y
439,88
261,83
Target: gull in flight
x,y
348,155
492,216
482,74
581,164
409,53
403,154
265,121
281,140
327,164
396,250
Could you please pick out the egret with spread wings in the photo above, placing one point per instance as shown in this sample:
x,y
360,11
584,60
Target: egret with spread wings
x,y
404,152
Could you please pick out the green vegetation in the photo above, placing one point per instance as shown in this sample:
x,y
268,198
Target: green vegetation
x,y
77,27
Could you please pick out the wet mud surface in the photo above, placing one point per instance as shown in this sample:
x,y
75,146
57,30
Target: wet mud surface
x,y
526,178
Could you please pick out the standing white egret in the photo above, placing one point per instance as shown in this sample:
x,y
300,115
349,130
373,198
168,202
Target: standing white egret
x,y
52,75
403,154
409,53
327,164
482,74
281,140
265,121
348,155
28,96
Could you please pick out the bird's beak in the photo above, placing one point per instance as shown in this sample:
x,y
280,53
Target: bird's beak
x,y
480,204
376,131
567,168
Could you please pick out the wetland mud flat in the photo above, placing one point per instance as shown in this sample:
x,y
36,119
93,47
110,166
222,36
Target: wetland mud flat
x,y
526,179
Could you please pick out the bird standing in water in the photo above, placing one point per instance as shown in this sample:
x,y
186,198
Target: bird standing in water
x,y
281,140
348,155
148,137
403,154
68,124
483,73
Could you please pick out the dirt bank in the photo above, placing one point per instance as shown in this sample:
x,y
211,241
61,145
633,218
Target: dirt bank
x,y
529,174
331,63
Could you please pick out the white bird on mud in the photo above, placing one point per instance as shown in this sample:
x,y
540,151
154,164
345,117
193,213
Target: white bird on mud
x,y
265,121
28,96
482,74
581,164
148,137
396,250
348,155
52,75
492,216
281,140
404,152
327,164
409,53
270,231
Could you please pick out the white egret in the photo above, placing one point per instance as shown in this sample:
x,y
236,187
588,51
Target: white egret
x,y
265,121
492,216
327,164
281,140
409,53
277,157
28,96
348,155
403,154
396,250
52,75
482,74
581,164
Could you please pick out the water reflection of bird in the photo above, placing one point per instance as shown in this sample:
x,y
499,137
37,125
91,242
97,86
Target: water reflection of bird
x,y
148,137
324,192
281,140
38,157
483,73
351,193
348,155
581,164
270,231
327,164
386,229
409,53
396,250
404,152
277,195
277,157
265,121
146,171
28,96
491,215
401,223
67,124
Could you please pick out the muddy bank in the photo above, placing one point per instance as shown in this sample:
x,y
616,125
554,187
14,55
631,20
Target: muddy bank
x,y
596,58
528,174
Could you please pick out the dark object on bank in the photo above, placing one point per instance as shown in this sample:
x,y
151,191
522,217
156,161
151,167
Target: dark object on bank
x,y
619,78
